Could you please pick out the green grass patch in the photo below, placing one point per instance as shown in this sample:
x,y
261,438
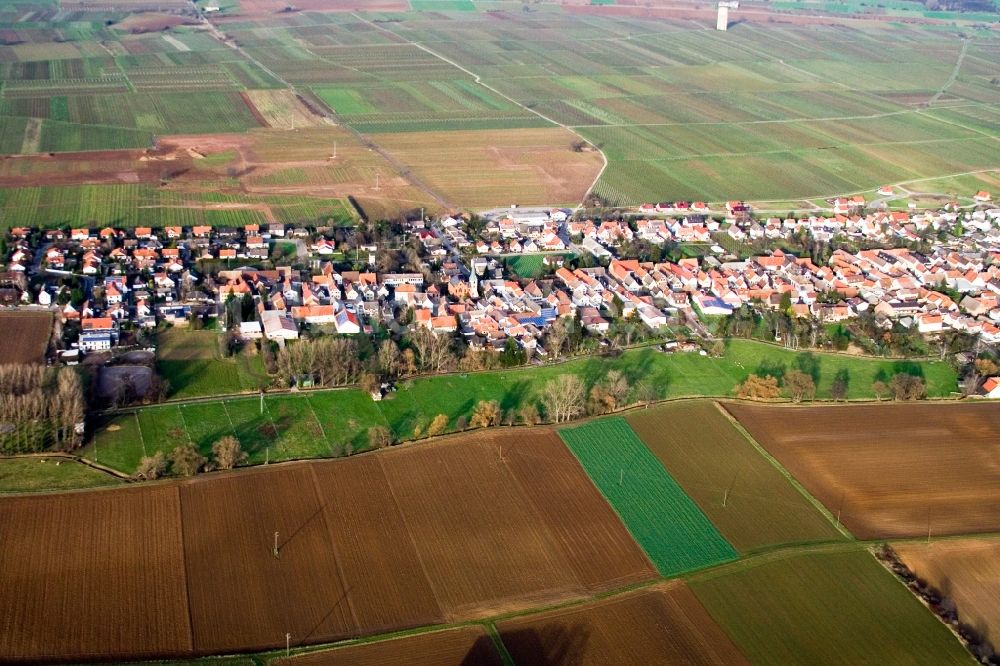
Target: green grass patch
x,y
670,527
442,5
832,608
345,101
28,475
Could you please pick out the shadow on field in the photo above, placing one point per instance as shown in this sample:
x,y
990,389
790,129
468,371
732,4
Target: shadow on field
x,y
554,644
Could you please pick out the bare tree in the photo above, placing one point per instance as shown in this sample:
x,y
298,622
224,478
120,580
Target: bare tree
x,y
758,388
800,385
880,388
379,437
555,339
563,398
388,358
528,414
908,387
228,453
485,414
151,467
438,425
370,384
186,461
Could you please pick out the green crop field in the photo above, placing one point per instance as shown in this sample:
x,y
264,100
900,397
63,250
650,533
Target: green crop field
x,y
831,608
37,474
669,526
751,502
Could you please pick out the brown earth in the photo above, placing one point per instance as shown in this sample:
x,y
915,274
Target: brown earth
x,y
662,625
267,7
891,470
468,646
93,575
968,572
415,535
152,22
505,557
25,336
243,597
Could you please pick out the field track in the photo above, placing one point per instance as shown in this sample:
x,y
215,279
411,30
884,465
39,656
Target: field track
x,y
892,470
469,646
411,536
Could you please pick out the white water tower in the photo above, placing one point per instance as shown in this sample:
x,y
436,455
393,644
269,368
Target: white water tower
x,y
723,21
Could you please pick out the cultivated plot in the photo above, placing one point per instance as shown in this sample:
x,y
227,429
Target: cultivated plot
x,y
751,502
661,625
966,571
469,646
671,528
25,336
831,608
890,470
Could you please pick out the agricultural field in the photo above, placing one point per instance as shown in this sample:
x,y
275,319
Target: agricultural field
x,y
190,360
87,587
41,474
669,526
345,415
746,497
492,168
664,624
967,571
824,608
455,530
892,470
470,645
26,336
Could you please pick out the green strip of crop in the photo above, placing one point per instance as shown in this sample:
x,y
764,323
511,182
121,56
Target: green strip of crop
x,y
669,526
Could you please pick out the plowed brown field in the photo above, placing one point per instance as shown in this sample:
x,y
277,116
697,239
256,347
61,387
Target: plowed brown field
x,y
241,595
97,574
486,545
666,625
890,470
968,572
468,646
25,336
411,536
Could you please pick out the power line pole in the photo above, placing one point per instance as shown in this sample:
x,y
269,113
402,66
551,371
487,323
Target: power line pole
x,y
288,643
275,551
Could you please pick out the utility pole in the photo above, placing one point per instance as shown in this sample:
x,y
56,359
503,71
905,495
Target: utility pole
x,y
376,181
288,643
275,551
261,402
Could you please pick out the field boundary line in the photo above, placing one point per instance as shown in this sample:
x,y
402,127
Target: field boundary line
x,y
479,81
784,472
312,410
232,426
187,432
138,426
954,73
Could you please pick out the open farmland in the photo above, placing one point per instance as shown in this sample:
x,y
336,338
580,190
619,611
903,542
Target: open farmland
x,y
488,168
667,523
967,571
470,646
743,494
892,470
518,552
824,608
463,528
80,585
25,336
660,625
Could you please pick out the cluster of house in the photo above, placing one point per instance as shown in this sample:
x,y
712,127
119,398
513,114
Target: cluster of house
x,y
142,276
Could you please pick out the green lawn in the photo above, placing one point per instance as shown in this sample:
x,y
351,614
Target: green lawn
x,y
832,608
191,362
667,523
25,475
345,415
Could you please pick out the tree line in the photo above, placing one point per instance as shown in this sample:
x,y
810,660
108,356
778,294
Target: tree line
x,y
40,408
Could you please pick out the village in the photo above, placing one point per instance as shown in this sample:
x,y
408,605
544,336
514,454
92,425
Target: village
x,y
928,271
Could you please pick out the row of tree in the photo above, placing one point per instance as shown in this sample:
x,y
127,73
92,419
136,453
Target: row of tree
x,y
40,408
801,386
186,460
